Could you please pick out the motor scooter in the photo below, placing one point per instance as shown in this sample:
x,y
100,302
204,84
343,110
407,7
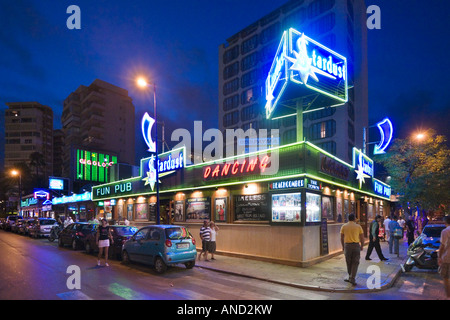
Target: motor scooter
x,y
422,256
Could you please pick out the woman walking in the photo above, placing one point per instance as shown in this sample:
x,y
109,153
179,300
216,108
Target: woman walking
x,y
103,236
212,243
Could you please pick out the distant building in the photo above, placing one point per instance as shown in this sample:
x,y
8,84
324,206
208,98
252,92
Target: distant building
x,y
29,129
246,58
98,118
58,150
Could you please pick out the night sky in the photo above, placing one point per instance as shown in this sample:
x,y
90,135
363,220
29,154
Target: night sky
x,y
176,43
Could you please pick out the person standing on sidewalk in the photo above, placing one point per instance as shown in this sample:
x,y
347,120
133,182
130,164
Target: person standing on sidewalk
x,y
410,227
374,238
352,240
212,243
393,240
386,227
444,256
205,235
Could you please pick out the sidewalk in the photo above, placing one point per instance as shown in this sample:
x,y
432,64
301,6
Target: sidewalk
x,y
325,276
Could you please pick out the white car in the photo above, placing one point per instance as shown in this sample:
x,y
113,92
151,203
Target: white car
x,y
43,228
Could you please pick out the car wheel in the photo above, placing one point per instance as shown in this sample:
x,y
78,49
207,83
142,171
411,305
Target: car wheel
x,y
125,258
190,264
160,266
74,245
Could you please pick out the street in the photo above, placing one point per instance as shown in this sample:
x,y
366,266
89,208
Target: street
x,y
37,269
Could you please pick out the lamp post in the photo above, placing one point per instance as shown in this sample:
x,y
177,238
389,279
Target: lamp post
x,y
18,173
142,83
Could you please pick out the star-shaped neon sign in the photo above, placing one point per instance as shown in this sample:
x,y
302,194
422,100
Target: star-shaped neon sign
x,y
150,178
360,174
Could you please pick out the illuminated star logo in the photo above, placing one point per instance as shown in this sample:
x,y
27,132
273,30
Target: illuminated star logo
x,y
360,174
150,178
302,63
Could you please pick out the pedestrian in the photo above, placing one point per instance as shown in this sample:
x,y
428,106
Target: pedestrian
x,y
374,239
102,238
444,256
402,224
410,227
212,242
393,239
352,240
205,235
386,227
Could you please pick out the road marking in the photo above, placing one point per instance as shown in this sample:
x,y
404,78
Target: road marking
x,y
74,295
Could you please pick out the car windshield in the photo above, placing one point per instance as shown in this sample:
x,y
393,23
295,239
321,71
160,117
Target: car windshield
x,y
433,232
47,222
126,231
176,233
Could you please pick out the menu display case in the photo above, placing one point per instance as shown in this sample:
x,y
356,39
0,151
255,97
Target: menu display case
x,y
287,207
313,204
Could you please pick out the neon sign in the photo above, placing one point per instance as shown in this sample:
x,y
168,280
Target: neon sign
x,y
254,165
311,68
73,198
363,168
386,133
381,188
146,126
287,184
93,166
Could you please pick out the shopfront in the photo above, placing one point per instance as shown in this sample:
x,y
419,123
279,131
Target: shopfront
x,y
78,206
285,205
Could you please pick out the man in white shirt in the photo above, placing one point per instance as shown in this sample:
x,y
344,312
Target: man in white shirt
x,y
386,227
402,223
444,256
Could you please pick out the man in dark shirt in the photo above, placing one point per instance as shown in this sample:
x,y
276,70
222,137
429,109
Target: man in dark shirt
x,y
374,240
205,235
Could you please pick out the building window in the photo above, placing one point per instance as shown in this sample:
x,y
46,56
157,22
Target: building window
x,y
295,19
231,119
249,61
323,25
249,45
329,147
250,78
270,33
351,110
323,113
319,6
323,130
231,71
351,131
289,122
231,103
249,113
231,54
251,95
231,86
290,136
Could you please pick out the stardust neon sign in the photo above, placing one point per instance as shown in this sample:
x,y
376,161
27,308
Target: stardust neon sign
x,y
238,168
363,166
311,68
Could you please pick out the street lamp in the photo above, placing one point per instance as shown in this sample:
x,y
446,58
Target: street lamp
x,y
143,84
17,173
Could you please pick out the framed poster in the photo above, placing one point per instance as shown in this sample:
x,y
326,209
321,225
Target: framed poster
x,y
141,211
129,212
120,211
179,211
286,207
339,210
252,207
327,208
346,210
313,205
198,209
220,211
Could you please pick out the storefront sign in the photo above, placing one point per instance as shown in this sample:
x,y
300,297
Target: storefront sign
x,y
29,202
93,166
363,166
41,194
287,184
334,168
381,189
314,185
73,198
252,165
113,189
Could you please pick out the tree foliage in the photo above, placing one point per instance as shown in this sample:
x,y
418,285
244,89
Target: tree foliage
x,y
420,171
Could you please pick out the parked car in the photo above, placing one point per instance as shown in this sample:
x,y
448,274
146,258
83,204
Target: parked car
x,y
17,225
74,234
2,223
11,221
42,227
161,246
28,225
120,235
23,227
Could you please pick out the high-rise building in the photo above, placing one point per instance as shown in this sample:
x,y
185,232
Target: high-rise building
x,y
58,151
246,58
98,118
29,130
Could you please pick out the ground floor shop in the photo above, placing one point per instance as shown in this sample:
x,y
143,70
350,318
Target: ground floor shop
x,y
285,206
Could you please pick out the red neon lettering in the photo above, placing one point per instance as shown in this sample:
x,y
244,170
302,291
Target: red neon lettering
x,y
243,165
235,166
207,172
225,169
216,171
264,163
252,165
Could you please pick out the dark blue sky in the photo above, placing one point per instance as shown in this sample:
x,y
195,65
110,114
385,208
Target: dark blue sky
x,y
176,42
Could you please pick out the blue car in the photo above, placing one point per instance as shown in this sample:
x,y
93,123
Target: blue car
x,y
161,246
